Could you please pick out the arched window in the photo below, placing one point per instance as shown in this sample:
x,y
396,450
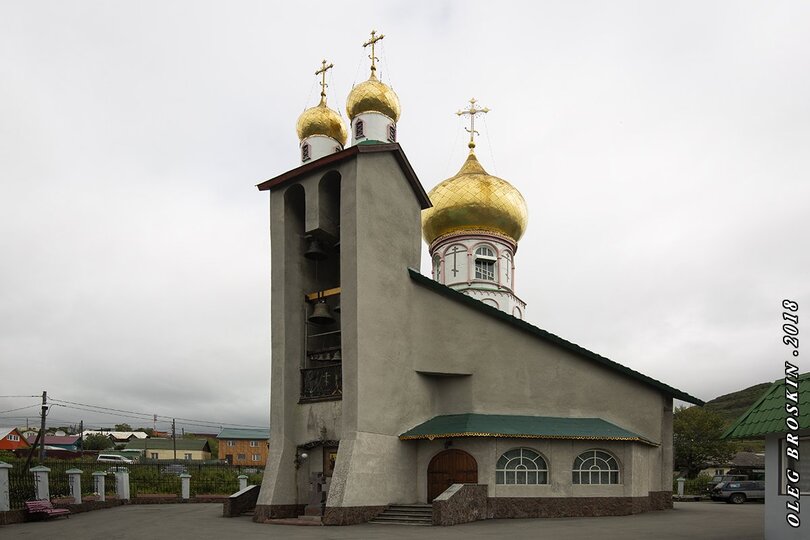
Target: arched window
x,y
521,466
358,129
392,133
485,263
437,266
305,152
595,467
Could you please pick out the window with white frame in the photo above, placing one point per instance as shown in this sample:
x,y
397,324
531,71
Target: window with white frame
x,y
153,455
230,443
595,467
187,456
13,437
485,263
521,466
257,457
254,443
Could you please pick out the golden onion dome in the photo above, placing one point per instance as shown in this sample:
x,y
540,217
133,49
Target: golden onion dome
x,y
474,200
321,120
373,95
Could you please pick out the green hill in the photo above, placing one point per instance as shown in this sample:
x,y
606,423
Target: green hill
x,y
732,406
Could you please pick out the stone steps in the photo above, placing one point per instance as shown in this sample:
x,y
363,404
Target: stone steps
x,y
406,514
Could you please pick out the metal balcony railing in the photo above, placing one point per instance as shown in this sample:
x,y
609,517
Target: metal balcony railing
x,y
322,383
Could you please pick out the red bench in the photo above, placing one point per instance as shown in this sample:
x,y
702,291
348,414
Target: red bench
x,y
45,507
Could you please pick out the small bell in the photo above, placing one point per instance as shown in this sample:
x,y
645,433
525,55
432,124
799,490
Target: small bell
x,y
314,250
321,313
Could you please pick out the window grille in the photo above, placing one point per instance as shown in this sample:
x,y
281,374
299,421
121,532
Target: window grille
x,y
521,466
595,467
485,263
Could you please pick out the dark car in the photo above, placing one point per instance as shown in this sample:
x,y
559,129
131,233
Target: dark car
x,y
739,491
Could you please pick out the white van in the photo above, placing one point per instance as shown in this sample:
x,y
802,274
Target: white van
x,y
113,458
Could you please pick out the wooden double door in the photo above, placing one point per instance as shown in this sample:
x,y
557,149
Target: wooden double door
x,y
448,468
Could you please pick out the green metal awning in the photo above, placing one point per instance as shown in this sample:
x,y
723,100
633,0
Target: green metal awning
x,y
768,414
525,427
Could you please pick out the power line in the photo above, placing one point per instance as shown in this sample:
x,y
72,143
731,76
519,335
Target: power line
x,y
20,408
16,396
147,416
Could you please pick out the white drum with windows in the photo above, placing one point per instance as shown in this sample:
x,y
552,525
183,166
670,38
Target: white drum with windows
x,y
485,263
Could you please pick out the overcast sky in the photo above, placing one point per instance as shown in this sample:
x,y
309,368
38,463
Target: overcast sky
x,y
662,149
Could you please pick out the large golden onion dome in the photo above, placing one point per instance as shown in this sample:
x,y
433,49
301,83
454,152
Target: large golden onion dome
x,y
473,200
321,120
373,95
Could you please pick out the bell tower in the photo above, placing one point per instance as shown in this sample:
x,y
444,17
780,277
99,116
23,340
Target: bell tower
x,y
344,230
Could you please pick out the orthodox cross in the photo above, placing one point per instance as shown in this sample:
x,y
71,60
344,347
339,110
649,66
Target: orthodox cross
x,y
374,39
455,266
322,73
472,111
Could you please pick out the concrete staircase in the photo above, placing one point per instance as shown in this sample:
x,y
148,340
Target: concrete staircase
x,y
406,514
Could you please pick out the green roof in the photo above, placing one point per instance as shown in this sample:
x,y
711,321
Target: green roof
x,y
768,414
238,433
168,444
524,427
548,336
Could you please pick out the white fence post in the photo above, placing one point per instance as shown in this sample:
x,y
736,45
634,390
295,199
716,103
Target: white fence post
x,y
681,482
98,484
75,483
41,482
242,481
5,498
185,486
122,484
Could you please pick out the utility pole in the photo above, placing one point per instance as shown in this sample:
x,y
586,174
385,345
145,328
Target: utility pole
x,y
174,440
42,426
81,435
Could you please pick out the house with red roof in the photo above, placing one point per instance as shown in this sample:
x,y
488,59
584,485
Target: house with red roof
x,y
12,439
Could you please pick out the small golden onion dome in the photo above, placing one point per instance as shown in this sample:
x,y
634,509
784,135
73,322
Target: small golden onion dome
x,y
474,200
373,95
321,120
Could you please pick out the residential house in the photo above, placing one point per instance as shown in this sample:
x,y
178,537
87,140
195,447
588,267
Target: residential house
x,y
749,463
117,437
12,439
71,443
184,449
244,446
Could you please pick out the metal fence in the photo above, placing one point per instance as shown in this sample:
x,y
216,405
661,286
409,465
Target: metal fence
x,y
157,477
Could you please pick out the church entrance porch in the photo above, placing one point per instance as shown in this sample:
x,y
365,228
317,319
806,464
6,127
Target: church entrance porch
x,y
448,468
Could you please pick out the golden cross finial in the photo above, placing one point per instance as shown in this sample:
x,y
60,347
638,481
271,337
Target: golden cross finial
x,y
371,42
322,73
472,110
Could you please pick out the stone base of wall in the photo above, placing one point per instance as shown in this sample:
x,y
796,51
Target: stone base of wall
x,y
12,516
277,511
537,507
461,503
241,502
351,515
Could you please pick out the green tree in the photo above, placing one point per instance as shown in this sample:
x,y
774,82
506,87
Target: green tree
x,y
696,439
123,427
149,431
97,441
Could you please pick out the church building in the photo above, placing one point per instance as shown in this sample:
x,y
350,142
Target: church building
x,y
394,392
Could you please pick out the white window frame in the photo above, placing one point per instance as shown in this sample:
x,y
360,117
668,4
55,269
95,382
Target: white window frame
x,y
230,443
13,437
257,457
486,264
187,456
605,463
254,444
521,468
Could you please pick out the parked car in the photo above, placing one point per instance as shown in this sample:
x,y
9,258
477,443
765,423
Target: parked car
x,y
114,458
739,492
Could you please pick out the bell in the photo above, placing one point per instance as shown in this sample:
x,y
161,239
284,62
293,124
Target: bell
x,y
337,309
314,250
321,314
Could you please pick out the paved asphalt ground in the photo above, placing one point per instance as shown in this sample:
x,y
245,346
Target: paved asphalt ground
x,y
692,521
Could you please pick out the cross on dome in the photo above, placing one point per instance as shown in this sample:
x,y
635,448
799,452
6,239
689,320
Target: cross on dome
x,y
374,39
322,72
472,111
